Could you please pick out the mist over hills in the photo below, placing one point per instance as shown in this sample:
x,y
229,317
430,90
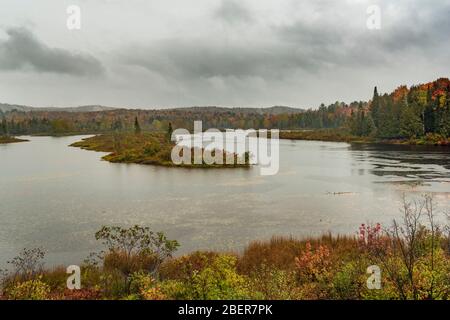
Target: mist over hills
x,y
4,107
275,110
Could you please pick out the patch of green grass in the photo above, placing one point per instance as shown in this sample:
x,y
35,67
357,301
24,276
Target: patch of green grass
x,y
9,139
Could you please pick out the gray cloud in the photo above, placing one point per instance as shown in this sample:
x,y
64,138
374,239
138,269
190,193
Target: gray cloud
x,y
304,45
232,11
23,50
426,29
187,60
422,29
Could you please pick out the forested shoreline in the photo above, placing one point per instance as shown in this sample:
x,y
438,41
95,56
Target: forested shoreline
x,y
418,115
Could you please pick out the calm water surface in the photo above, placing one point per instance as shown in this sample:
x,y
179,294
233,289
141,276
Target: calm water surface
x,y
56,197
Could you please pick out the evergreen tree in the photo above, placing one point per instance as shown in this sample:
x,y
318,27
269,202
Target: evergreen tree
x,y
169,131
438,113
137,127
355,123
375,107
361,122
410,122
429,118
4,127
368,126
117,125
351,124
388,119
444,120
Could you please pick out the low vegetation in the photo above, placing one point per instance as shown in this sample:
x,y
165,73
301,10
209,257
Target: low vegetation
x,y
413,256
153,148
9,139
335,135
345,135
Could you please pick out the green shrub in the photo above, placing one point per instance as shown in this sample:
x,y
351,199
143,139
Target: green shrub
x,y
114,284
349,281
140,281
136,248
152,148
55,278
219,280
29,290
174,289
269,283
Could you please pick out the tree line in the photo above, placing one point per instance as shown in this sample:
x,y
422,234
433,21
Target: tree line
x,y
416,112
61,122
405,113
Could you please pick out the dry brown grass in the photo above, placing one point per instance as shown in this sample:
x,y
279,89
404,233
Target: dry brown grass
x,y
183,267
128,264
280,252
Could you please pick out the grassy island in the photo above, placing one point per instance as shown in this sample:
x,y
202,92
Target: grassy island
x,y
9,139
153,148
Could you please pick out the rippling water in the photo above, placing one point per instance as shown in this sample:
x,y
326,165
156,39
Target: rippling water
x,y
56,197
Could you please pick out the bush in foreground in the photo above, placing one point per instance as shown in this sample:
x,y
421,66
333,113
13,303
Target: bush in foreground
x,y
413,256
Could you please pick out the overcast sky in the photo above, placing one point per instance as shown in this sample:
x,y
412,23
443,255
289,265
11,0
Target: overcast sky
x,y
254,53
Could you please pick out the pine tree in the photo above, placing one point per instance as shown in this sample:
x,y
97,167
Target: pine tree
x,y
429,118
169,131
444,121
117,125
137,127
351,124
411,125
375,107
368,126
388,119
359,120
4,127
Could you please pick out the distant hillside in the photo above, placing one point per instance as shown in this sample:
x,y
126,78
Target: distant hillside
x,y
10,107
276,110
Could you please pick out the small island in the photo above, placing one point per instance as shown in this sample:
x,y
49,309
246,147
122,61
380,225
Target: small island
x,y
9,139
152,148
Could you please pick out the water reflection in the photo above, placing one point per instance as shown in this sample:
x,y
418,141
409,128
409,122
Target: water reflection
x,y
411,162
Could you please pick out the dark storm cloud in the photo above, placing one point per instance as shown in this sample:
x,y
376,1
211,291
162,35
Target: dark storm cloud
x,y
427,32
184,60
23,50
303,45
419,29
306,45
